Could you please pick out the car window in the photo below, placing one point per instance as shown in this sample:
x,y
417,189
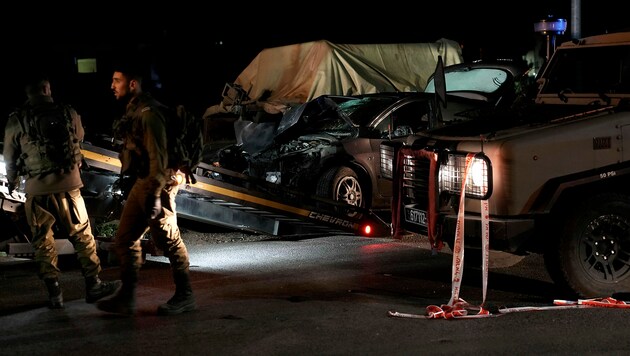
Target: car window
x,y
405,120
484,80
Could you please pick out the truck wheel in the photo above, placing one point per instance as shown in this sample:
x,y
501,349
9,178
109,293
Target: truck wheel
x,y
342,184
590,257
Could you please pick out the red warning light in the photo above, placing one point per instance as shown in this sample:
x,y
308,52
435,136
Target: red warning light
x,y
367,230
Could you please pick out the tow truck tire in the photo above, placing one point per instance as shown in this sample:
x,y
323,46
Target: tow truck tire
x,y
342,184
590,256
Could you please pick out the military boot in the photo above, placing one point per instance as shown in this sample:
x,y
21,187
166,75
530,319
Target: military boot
x,y
96,289
124,301
55,297
183,300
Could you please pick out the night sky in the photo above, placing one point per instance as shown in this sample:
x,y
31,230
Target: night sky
x,y
197,48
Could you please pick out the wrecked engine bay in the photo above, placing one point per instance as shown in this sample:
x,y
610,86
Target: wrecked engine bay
x,y
293,151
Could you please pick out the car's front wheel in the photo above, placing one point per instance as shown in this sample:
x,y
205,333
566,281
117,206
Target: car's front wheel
x,y
591,255
342,184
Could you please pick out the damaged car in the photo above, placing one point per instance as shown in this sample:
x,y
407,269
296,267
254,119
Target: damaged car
x,y
329,146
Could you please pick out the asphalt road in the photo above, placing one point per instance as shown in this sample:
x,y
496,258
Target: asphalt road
x,y
313,296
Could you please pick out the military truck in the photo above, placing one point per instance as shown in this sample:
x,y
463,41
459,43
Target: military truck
x,y
548,175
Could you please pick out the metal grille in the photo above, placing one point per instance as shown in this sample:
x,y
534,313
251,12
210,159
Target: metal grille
x,y
387,161
415,182
258,170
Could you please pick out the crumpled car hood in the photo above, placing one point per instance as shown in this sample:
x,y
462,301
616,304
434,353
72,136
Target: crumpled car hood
x,y
316,118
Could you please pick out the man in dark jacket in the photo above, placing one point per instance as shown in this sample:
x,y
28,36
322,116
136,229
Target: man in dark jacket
x,y
151,201
52,190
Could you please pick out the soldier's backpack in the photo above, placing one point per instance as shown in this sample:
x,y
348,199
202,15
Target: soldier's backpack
x,y
185,141
52,143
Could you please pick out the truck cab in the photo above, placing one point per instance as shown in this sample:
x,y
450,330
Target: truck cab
x,y
551,169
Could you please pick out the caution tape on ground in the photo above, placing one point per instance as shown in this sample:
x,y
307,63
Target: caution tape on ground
x,y
461,309
458,308
607,302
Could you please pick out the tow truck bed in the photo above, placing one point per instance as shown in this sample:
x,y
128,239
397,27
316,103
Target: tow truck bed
x,y
228,199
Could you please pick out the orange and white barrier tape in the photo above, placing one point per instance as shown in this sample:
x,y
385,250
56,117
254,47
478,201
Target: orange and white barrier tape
x,y
457,307
607,302
505,310
458,310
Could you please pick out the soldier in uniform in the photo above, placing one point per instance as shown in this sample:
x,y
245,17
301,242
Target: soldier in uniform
x,y
53,196
151,201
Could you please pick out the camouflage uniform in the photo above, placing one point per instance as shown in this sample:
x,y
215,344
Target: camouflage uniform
x,y
53,198
144,155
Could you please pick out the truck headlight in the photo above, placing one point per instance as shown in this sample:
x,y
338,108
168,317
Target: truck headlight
x,y
451,176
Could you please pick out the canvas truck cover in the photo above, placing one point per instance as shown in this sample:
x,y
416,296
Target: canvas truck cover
x,y
297,73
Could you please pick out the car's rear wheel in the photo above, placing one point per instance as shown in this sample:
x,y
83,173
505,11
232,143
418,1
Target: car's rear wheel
x,y
590,257
343,185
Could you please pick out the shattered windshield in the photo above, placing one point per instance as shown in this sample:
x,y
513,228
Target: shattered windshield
x,y
484,80
362,111
317,115
326,114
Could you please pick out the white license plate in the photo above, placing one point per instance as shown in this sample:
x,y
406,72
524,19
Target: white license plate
x,y
416,216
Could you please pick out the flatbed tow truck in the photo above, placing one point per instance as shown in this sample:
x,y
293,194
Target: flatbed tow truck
x,y
219,197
